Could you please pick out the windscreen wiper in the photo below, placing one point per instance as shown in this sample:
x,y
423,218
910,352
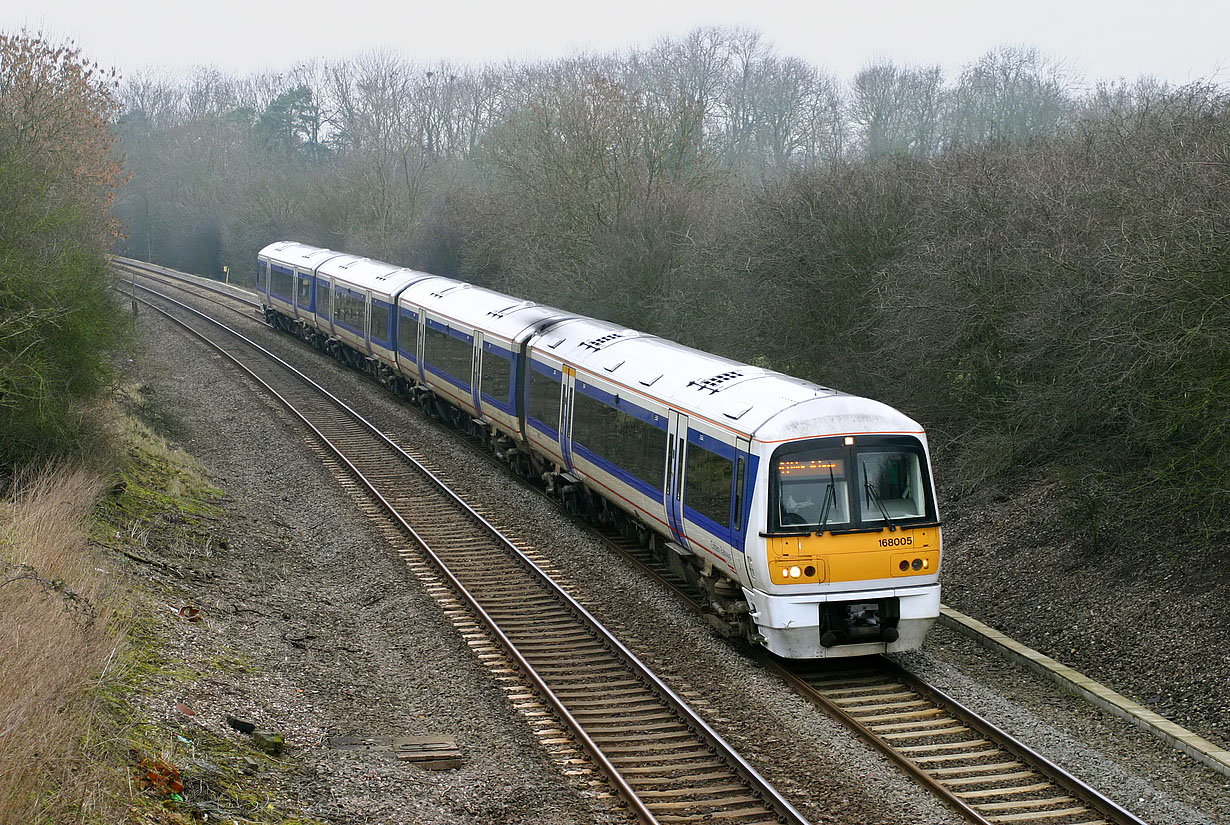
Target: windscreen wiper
x,y
830,497
872,495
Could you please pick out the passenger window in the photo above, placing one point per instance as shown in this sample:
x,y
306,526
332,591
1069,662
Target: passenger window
x,y
408,334
322,298
544,398
620,437
707,484
449,354
497,376
380,321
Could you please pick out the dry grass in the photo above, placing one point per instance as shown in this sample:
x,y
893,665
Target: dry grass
x,y
57,635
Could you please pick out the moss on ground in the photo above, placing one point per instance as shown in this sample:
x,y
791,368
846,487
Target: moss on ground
x,y
160,515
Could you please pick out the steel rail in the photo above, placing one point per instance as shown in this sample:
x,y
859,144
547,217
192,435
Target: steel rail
x,y
152,270
761,786
1063,778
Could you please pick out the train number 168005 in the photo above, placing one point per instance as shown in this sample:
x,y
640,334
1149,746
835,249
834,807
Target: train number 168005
x,y
899,541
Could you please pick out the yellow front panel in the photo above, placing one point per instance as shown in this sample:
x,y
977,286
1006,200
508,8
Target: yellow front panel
x,y
854,556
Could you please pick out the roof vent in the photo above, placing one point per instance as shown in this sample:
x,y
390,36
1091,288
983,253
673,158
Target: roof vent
x,y
604,340
736,413
440,293
500,313
715,383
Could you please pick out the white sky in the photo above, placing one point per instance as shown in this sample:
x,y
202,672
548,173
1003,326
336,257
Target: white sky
x,y
1176,40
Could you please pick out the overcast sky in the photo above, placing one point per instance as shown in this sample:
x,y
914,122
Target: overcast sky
x,y
1176,40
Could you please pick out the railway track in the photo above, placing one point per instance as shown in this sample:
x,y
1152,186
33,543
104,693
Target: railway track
x,y
223,297
975,768
660,757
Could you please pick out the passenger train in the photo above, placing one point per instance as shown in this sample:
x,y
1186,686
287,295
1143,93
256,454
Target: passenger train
x,y
805,515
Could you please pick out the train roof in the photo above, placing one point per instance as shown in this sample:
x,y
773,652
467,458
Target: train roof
x,y
475,306
762,404
753,401
365,273
298,255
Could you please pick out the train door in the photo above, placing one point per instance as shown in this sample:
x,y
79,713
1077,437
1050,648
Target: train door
x,y
367,322
741,498
303,294
420,346
476,371
676,450
565,413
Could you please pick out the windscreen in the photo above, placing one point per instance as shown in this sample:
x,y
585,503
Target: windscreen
x,y
829,484
890,485
812,489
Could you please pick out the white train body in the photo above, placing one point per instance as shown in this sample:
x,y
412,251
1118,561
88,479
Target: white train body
x,y
807,516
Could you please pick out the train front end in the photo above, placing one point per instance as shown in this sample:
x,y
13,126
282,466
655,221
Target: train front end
x,y
847,558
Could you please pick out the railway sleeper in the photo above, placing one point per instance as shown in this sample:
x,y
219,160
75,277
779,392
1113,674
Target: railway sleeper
x,y
627,713
616,701
664,775
991,793
658,731
713,816
869,697
969,769
726,802
998,777
587,689
936,748
1039,816
676,792
919,734
669,746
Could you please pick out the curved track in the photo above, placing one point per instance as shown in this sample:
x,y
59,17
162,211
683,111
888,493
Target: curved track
x,y
659,755
967,762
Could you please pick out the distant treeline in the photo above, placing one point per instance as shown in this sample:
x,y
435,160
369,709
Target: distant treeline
x,y
1038,273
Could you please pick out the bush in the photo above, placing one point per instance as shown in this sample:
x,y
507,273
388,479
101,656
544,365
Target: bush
x,y
57,175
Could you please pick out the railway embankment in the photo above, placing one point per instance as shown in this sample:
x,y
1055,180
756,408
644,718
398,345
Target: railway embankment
x,y
291,653
102,643
1151,624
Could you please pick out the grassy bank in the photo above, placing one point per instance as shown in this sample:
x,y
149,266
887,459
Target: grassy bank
x,y
94,567
60,633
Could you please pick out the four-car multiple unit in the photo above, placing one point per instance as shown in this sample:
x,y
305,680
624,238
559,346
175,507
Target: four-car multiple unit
x,y
806,515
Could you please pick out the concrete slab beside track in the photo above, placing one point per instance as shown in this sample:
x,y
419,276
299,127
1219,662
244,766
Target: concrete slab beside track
x,y
1075,682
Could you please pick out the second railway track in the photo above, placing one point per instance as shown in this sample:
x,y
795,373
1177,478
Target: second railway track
x,y
969,764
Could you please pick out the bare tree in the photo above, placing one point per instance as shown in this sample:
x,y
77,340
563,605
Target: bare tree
x,y
897,109
1010,93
